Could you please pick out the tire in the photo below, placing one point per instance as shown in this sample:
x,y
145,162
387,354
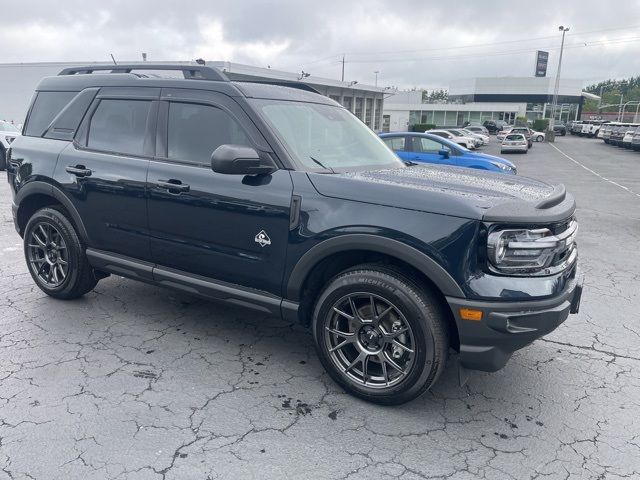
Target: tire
x,y
56,241
562,134
539,138
3,159
400,305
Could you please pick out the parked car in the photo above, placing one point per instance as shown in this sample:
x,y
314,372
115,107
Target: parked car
x,y
477,129
280,200
617,134
538,136
428,148
460,132
467,142
576,128
494,126
8,133
484,139
628,136
560,129
635,140
523,130
514,142
606,132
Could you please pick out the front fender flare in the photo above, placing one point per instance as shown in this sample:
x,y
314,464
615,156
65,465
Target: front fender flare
x,y
425,264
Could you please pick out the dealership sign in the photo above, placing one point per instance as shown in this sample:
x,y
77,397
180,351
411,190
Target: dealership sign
x,y
542,59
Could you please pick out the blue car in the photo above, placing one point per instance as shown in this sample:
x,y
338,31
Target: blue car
x,y
427,148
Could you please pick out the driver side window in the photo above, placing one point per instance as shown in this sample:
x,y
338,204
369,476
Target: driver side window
x,y
425,145
196,130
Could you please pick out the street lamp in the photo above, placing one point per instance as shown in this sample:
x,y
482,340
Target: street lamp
x,y
554,105
376,72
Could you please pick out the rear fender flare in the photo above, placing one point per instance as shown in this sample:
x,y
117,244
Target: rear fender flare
x,y
38,187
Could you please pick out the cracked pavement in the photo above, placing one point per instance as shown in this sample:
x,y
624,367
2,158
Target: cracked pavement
x,y
138,382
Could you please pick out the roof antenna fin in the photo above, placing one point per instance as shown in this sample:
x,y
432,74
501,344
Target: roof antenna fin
x,y
114,60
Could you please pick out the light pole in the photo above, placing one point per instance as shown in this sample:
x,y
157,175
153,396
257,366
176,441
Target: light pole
x,y
557,85
377,72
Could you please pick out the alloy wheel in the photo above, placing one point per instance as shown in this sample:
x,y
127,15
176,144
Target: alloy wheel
x,y
369,340
47,255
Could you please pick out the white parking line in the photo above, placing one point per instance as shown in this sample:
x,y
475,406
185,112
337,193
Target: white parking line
x,y
596,173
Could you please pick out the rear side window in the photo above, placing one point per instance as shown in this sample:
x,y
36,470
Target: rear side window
x,y
195,131
119,126
45,107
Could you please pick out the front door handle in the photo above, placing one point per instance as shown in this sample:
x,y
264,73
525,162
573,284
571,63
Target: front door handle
x,y
78,170
173,185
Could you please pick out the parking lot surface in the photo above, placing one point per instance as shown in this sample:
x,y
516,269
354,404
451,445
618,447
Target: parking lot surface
x,y
137,382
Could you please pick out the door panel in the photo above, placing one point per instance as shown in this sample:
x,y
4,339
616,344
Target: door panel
x,y
110,200
230,228
211,228
104,171
427,150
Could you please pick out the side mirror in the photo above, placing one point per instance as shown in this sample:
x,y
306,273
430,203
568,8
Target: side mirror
x,y
240,160
444,152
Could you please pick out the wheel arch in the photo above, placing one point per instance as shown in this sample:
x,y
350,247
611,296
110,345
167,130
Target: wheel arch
x,y
330,257
36,195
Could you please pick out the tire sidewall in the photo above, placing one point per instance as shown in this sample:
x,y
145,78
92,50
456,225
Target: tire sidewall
x,y
380,284
60,223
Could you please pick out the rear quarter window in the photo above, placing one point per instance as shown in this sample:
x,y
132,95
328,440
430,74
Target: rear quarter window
x,y
45,107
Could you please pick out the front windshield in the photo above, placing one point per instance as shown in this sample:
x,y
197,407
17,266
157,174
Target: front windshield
x,y
326,137
7,127
456,133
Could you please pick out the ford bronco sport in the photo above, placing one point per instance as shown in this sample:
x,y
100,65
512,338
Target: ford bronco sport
x,y
278,199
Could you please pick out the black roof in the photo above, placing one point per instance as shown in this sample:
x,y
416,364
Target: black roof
x,y
195,77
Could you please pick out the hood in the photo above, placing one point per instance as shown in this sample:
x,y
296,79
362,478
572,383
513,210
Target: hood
x,y
455,191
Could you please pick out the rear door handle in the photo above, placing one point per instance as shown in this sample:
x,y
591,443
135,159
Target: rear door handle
x,y
173,185
78,170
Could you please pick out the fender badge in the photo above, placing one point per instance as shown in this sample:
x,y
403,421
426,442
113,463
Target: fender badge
x,y
263,239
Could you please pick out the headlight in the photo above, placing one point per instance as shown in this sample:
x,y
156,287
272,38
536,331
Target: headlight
x,y
532,251
503,166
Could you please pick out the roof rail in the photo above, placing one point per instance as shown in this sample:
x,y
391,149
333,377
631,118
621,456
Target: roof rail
x,y
195,72
281,83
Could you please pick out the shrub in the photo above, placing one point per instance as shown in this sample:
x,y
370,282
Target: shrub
x,y
541,124
422,127
521,121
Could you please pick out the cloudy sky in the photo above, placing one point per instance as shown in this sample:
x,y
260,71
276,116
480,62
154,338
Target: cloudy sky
x,y
410,43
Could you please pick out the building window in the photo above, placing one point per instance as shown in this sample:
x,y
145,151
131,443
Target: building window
x,y
335,98
414,117
347,102
358,111
376,119
386,123
368,114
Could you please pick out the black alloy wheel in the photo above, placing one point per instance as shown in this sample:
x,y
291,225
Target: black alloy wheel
x,y
380,334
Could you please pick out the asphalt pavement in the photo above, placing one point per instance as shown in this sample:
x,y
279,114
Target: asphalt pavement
x,y
138,382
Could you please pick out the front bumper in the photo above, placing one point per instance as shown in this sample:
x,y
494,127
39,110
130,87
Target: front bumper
x,y
506,326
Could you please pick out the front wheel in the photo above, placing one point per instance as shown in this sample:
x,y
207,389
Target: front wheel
x,y
55,255
379,335
539,138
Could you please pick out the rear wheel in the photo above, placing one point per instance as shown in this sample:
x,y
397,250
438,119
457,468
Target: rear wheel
x,y
55,255
539,138
379,335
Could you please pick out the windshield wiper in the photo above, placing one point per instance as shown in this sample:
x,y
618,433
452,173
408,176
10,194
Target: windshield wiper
x,y
318,162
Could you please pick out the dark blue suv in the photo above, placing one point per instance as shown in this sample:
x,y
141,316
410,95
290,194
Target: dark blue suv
x,y
427,148
279,200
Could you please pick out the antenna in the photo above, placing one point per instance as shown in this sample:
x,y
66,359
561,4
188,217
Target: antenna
x,y
114,60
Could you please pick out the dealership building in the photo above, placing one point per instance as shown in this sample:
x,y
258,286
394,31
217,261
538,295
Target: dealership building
x,y
486,98
19,80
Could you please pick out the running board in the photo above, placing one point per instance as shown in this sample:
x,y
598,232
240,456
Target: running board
x,y
193,284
